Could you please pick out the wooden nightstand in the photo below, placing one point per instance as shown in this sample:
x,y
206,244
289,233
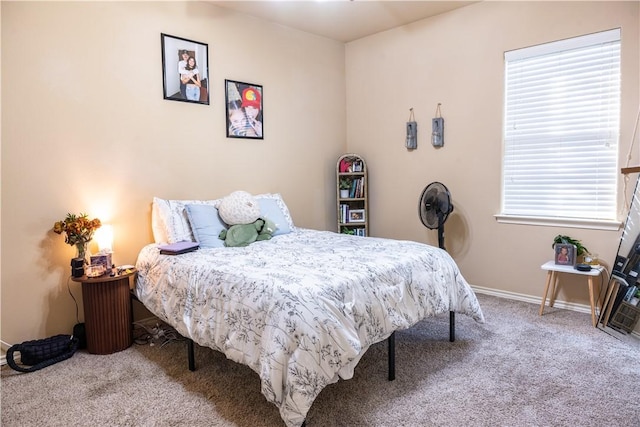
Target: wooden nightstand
x,y
107,312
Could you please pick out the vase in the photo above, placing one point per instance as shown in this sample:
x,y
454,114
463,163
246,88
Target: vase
x,y
81,249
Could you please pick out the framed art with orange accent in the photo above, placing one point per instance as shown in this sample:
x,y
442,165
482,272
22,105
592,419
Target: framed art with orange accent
x,y
356,215
245,112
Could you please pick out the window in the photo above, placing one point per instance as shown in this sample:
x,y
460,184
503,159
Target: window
x,y
561,125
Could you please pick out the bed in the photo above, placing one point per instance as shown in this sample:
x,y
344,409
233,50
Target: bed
x,y
300,309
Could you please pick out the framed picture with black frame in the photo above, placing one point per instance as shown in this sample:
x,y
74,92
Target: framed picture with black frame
x,y
244,110
185,69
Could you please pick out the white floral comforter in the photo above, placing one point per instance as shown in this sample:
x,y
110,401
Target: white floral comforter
x,y
302,308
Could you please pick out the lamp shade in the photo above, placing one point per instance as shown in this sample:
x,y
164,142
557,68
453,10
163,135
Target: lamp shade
x,y
104,238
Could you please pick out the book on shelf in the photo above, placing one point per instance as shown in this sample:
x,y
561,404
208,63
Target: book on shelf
x,y
357,188
361,187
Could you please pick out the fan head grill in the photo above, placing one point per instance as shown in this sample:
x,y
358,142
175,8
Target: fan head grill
x,y
435,205
434,208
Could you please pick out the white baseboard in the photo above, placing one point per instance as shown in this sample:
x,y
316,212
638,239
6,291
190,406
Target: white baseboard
x,y
581,308
4,346
3,358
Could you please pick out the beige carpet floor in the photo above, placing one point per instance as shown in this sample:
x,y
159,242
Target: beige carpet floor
x,y
517,369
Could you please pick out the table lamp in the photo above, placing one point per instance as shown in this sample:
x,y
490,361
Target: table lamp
x,y
104,238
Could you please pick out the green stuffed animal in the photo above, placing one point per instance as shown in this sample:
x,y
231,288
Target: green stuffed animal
x,y
245,234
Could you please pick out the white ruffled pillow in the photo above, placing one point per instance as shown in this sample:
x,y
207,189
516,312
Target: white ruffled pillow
x,y
170,222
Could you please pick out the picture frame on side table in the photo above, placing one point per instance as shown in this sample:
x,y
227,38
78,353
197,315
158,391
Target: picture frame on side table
x,y
185,70
244,110
357,215
565,254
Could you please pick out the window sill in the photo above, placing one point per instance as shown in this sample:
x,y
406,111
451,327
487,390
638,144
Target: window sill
x,y
560,222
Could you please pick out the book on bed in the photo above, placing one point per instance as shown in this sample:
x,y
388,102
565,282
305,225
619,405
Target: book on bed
x,y
179,248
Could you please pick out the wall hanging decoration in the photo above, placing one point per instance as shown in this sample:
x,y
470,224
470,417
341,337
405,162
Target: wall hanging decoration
x,y
245,113
185,70
412,132
437,129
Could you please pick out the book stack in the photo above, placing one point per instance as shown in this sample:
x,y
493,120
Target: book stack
x,y
344,213
359,232
357,188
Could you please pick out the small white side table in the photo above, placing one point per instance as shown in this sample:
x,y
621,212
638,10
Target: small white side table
x,y
552,279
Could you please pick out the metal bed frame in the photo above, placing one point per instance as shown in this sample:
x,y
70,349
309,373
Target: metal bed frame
x,y
391,344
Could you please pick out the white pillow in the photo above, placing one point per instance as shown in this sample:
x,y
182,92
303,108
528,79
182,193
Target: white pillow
x,y
283,208
159,214
169,220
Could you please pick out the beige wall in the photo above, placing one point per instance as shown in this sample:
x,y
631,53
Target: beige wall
x,y
456,59
85,128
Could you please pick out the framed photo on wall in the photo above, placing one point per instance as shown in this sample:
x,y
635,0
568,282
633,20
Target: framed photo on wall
x,y
565,254
245,112
185,70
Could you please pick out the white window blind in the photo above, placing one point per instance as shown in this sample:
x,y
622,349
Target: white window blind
x,y
561,126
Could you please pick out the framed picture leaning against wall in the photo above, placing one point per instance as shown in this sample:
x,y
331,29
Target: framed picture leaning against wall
x,y
565,254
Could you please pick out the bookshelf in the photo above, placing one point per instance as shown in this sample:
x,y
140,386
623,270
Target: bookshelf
x,y
351,195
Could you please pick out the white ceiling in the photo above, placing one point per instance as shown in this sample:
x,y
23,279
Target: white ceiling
x,y
341,20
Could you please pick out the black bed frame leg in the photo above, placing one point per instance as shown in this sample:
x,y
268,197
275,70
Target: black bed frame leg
x,y
452,326
392,356
190,353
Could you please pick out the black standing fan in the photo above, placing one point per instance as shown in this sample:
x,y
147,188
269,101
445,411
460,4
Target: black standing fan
x,y
434,208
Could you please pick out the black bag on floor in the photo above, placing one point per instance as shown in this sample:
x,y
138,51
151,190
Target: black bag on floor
x,y
38,354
